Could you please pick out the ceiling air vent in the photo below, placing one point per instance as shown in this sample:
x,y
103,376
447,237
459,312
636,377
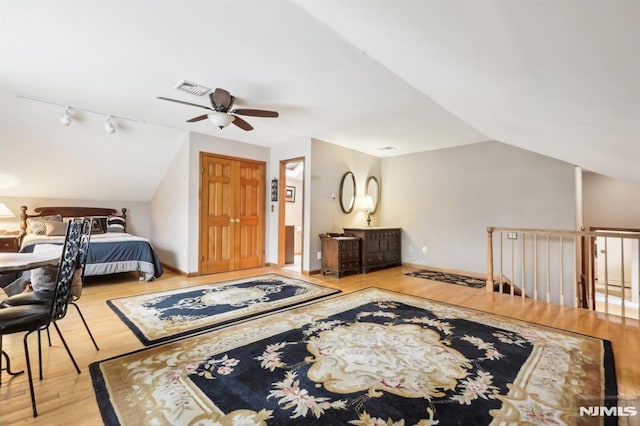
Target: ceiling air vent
x,y
193,88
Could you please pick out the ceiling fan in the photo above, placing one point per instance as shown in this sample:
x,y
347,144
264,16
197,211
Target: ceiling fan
x,y
221,113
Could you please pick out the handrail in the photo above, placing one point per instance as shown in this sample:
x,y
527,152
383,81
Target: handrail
x,y
553,265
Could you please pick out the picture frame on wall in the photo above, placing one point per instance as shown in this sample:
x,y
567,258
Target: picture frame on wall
x,y
290,194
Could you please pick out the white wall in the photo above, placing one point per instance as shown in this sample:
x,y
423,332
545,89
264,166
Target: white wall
x,y
328,163
445,200
170,213
138,213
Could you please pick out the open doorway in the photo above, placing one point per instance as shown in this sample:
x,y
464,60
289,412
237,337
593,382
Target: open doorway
x,y
291,230
616,272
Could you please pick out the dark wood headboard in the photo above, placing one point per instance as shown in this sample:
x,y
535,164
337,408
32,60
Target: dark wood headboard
x,y
66,212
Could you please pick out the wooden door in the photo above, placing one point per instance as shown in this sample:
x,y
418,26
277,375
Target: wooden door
x,y
250,215
231,214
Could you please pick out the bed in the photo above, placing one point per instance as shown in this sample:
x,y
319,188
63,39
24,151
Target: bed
x,y
111,250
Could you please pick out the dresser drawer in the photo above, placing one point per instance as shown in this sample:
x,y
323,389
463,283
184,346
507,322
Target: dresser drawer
x,y
348,265
374,258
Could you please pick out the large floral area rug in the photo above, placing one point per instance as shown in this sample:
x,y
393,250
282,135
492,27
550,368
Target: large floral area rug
x,y
161,316
372,357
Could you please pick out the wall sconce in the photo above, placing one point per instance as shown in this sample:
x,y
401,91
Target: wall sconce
x,y
367,205
274,189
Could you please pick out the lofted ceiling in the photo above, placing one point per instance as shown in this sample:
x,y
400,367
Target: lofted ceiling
x,y
561,78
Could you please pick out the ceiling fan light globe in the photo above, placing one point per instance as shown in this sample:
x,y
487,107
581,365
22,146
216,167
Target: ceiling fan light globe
x,y
221,119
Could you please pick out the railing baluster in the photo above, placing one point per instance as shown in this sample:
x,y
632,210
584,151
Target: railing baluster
x,y
622,275
591,293
561,271
606,277
501,273
576,300
523,257
489,259
548,271
513,277
535,267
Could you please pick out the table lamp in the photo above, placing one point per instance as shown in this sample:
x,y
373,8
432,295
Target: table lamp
x,y
367,204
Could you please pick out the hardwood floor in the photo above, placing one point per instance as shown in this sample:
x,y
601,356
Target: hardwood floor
x,y
67,398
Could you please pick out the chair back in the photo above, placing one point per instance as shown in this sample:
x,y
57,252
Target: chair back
x,y
83,254
68,264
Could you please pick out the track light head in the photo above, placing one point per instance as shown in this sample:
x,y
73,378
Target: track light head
x,y
109,127
65,119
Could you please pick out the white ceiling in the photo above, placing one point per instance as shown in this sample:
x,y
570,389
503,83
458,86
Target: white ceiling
x,y
561,78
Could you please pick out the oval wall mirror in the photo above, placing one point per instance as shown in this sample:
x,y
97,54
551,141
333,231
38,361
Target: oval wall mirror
x,y
347,192
373,190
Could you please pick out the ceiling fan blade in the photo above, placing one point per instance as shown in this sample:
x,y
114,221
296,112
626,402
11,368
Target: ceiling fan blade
x,y
185,103
198,118
255,112
222,98
241,123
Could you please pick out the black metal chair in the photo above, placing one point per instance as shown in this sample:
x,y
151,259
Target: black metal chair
x,y
37,317
43,297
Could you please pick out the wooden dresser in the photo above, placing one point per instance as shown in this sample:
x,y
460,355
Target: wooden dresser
x,y
340,254
380,247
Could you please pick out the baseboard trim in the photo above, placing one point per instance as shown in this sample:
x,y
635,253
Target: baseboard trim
x,y
174,269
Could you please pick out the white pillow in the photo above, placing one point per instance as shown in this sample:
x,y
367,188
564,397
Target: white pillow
x,y
36,225
44,278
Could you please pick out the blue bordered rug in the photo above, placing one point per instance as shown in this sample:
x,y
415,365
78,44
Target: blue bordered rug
x,y
161,316
372,357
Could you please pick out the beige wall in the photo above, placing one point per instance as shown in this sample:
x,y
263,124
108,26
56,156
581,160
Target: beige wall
x,y
170,212
609,202
445,200
328,163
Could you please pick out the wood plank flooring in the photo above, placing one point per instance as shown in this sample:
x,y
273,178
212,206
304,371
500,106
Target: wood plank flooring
x,y
67,398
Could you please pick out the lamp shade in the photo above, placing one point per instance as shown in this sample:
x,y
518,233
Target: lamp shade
x,y
367,203
5,212
221,119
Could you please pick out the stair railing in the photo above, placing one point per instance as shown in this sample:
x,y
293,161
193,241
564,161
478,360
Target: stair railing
x,y
556,266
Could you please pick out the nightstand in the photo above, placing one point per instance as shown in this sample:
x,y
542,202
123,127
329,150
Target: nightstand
x,y
340,254
9,243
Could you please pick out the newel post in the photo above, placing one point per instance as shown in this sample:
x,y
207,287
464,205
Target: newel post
x,y
490,258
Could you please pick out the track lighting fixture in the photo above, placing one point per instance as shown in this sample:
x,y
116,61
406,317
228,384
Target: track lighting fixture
x,y
65,119
108,126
